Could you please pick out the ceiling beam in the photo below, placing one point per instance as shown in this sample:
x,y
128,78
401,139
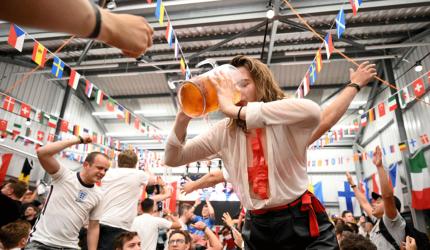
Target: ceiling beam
x,y
157,95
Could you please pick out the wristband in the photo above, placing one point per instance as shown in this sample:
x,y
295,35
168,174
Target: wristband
x,y
81,140
353,186
238,113
97,27
354,85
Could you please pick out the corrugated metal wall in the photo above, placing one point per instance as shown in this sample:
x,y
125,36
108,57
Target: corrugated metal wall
x,y
42,94
416,118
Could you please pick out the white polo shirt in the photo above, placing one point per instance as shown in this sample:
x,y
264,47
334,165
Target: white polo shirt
x,y
70,204
121,188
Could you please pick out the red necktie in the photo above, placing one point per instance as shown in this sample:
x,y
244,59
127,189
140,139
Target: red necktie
x,y
258,172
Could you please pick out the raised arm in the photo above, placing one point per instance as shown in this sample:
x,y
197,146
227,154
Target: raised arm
x,y
361,198
165,191
214,243
78,17
210,208
332,114
387,194
208,180
178,152
46,154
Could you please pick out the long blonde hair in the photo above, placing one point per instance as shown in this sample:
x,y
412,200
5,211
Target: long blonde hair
x,y
266,87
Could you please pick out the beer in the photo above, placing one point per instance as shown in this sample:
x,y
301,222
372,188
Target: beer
x,y
198,96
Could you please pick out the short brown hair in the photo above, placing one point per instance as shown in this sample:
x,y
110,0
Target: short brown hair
x,y
92,156
19,188
12,233
184,208
127,159
184,233
122,238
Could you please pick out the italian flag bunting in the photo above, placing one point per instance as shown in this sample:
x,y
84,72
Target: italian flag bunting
x,y
420,176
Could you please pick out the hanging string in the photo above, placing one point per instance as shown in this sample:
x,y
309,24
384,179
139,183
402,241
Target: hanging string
x,y
339,52
28,74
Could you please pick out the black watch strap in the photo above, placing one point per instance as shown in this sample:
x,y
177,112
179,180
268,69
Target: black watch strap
x,y
97,27
354,85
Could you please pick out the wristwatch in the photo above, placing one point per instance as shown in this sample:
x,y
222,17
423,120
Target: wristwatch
x,y
354,85
81,140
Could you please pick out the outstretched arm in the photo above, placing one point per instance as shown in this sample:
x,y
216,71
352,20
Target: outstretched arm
x,y
390,209
78,17
332,114
208,180
214,243
361,198
210,208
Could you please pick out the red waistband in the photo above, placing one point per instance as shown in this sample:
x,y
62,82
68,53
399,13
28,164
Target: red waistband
x,y
309,203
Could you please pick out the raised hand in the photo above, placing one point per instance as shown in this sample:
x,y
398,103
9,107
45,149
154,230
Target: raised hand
x,y
200,225
129,33
363,74
188,186
377,157
87,139
227,219
349,178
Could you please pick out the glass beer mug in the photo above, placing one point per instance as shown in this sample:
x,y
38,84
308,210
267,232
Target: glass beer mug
x,y
198,96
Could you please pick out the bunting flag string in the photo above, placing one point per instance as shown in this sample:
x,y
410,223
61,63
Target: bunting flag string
x,y
401,99
390,149
45,119
317,63
172,39
16,39
340,20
